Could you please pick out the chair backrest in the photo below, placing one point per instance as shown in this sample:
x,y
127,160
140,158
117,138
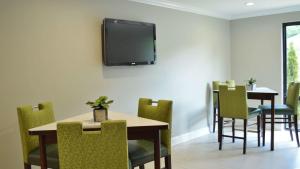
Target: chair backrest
x,y
215,86
233,102
230,83
28,118
293,96
105,149
161,112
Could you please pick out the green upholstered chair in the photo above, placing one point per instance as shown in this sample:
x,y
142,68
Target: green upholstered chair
x,y
289,109
28,118
103,149
233,104
230,83
215,84
142,151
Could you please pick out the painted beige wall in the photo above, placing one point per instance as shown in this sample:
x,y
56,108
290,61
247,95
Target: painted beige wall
x,y
51,50
256,49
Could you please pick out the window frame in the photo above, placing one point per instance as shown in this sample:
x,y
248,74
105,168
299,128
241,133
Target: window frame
x,y
284,54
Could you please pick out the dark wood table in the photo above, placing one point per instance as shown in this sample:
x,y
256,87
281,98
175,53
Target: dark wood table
x,y
261,94
137,128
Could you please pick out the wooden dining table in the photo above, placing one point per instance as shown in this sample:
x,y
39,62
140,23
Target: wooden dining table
x,y
137,128
261,93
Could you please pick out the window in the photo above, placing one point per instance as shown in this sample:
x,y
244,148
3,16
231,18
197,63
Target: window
x,y
291,54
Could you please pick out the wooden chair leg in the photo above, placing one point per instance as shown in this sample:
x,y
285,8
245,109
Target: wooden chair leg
x,y
214,119
290,126
264,128
258,130
27,166
296,129
168,164
245,135
142,166
221,132
233,130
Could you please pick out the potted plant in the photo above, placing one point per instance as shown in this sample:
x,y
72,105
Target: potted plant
x,y
100,107
251,84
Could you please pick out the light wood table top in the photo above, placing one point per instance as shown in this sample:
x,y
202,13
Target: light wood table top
x,y
258,90
88,122
137,128
263,90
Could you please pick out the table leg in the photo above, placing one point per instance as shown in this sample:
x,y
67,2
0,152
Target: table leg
x,y
157,149
272,122
219,121
43,157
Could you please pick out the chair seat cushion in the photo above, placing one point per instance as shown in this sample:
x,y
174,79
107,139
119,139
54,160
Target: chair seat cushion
x,y
253,112
142,151
52,156
280,109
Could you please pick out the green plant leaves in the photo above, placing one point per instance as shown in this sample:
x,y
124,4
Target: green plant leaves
x,y
251,81
100,103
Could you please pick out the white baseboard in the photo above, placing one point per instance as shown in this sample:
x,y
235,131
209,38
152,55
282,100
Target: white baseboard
x,y
189,136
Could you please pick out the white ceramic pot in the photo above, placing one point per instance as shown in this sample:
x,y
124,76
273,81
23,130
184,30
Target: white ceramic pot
x,y
100,115
251,86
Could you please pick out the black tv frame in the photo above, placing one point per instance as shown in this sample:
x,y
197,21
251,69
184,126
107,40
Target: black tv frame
x,y
104,46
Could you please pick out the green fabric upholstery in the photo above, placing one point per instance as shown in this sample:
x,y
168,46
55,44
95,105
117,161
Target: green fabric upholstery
x,y
230,83
141,151
52,156
253,112
233,102
291,106
161,112
215,85
30,119
105,149
293,96
280,109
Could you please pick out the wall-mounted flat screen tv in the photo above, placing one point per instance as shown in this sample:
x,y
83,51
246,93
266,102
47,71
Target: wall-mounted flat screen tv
x,y
128,42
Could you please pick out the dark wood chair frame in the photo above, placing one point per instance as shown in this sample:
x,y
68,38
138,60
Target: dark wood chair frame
x,y
245,133
287,119
27,166
215,116
168,164
215,121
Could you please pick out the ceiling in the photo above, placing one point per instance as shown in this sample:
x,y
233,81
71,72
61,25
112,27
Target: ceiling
x,y
228,9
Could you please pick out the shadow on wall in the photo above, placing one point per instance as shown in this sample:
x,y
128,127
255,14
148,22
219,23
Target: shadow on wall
x,y
208,105
111,72
99,44
196,119
202,117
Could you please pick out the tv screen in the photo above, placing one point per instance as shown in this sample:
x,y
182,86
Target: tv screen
x,y
128,42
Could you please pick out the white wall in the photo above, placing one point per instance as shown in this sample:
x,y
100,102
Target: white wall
x,y
256,49
51,50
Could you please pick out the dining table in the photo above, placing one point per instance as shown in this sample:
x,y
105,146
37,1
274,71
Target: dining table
x,y
137,128
262,94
